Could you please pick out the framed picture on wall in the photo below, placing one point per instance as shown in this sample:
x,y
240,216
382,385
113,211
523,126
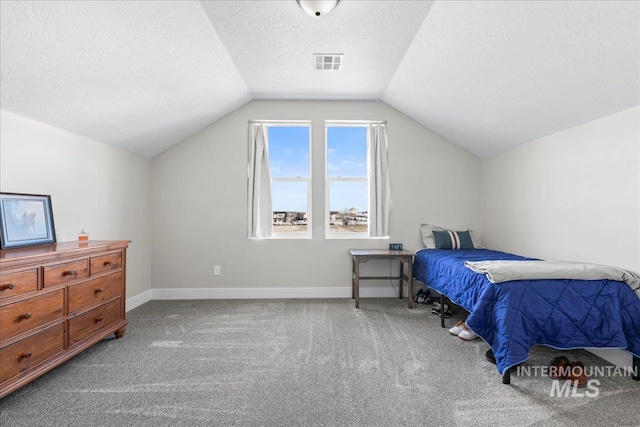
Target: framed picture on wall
x,y
25,220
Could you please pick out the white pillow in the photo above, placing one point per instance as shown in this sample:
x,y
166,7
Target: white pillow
x,y
428,240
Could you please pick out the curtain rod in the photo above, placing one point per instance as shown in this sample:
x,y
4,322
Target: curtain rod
x,y
364,122
280,121
377,122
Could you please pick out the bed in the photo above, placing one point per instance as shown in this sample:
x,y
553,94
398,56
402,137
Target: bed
x,y
514,316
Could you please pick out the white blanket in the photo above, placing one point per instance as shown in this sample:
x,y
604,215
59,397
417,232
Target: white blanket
x,y
504,271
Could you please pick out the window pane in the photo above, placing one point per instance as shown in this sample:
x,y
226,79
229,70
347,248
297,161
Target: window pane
x,y
289,151
347,151
348,209
289,207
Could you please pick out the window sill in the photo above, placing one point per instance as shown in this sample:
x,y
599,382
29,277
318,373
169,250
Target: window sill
x,y
282,237
352,236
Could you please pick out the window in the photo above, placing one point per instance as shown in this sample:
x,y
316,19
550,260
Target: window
x,y
357,186
280,180
347,186
289,159
357,196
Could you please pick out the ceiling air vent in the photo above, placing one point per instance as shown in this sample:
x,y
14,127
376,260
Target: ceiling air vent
x,y
328,61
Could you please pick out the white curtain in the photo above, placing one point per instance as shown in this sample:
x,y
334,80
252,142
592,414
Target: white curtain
x,y
379,187
259,184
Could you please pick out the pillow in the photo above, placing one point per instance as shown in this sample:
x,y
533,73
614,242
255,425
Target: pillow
x,y
453,239
427,230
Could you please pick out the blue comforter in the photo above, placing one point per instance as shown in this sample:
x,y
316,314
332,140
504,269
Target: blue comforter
x,y
514,316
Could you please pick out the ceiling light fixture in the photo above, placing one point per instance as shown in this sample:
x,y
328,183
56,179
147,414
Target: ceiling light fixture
x,y
317,7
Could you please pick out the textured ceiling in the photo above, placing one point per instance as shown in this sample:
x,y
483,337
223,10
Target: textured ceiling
x,y
273,48
492,75
144,75
141,76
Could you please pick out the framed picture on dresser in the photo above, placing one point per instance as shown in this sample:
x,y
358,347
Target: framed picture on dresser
x,y
25,220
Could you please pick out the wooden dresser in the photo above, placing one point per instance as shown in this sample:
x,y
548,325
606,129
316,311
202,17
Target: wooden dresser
x,y
56,301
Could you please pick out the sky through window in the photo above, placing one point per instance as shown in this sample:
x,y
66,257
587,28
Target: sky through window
x,y
346,157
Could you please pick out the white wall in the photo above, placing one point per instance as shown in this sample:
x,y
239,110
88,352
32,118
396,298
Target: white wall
x,y
93,186
199,201
573,195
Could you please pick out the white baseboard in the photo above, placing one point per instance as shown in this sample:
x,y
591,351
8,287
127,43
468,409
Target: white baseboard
x,y
258,293
271,293
138,300
615,356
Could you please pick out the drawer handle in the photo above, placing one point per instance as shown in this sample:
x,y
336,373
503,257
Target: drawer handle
x,y
106,263
26,316
26,355
99,291
99,318
9,286
69,273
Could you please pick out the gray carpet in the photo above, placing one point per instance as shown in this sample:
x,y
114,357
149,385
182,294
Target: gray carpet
x,y
302,363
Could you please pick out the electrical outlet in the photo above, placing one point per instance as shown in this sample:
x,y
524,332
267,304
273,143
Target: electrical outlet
x,y
216,270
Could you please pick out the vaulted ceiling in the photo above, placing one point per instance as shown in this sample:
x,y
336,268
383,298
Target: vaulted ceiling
x,y
486,75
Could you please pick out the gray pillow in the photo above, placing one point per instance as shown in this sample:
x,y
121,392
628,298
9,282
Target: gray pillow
x,y
453,240
427,230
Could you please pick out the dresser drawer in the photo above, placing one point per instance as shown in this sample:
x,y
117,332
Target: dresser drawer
x,y
81,327
66,272
25,315
106,262
31,351
94,291
12,284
